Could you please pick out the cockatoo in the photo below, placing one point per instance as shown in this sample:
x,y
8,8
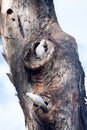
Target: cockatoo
x,y
38,101
40,49
85,100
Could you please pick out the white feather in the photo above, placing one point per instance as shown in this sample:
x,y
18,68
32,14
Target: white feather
x,y
36,99
85,100
40,50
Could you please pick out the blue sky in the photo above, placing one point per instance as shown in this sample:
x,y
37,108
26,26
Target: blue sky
x,y
72,17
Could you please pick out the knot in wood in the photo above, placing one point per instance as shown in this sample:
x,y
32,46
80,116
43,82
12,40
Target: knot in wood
x,y
9,11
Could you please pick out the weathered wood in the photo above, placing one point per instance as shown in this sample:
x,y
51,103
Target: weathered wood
x,y
58,77
0,5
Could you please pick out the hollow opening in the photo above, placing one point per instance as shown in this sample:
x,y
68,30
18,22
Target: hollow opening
x,y
48,125
45,48
31,73
9,11
36,44
13,19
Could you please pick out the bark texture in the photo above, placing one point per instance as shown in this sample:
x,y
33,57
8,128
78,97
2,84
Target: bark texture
x,y
58,77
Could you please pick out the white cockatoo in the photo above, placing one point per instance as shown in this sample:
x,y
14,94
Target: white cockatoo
x,y
38,101
85,100
40,49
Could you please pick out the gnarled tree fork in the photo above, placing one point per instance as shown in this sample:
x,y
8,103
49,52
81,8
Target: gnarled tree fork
x,y
57,76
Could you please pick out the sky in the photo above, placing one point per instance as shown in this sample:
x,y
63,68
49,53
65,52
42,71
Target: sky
x,y
72,17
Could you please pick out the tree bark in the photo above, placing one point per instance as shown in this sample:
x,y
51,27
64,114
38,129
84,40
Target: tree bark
x,y
58,77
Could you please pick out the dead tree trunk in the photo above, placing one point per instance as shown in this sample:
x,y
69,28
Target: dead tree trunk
x,y
57,76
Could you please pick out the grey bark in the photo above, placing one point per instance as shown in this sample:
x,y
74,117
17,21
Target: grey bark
x,y
58,77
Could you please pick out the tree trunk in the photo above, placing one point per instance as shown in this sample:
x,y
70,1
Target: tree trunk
x,y
57,77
